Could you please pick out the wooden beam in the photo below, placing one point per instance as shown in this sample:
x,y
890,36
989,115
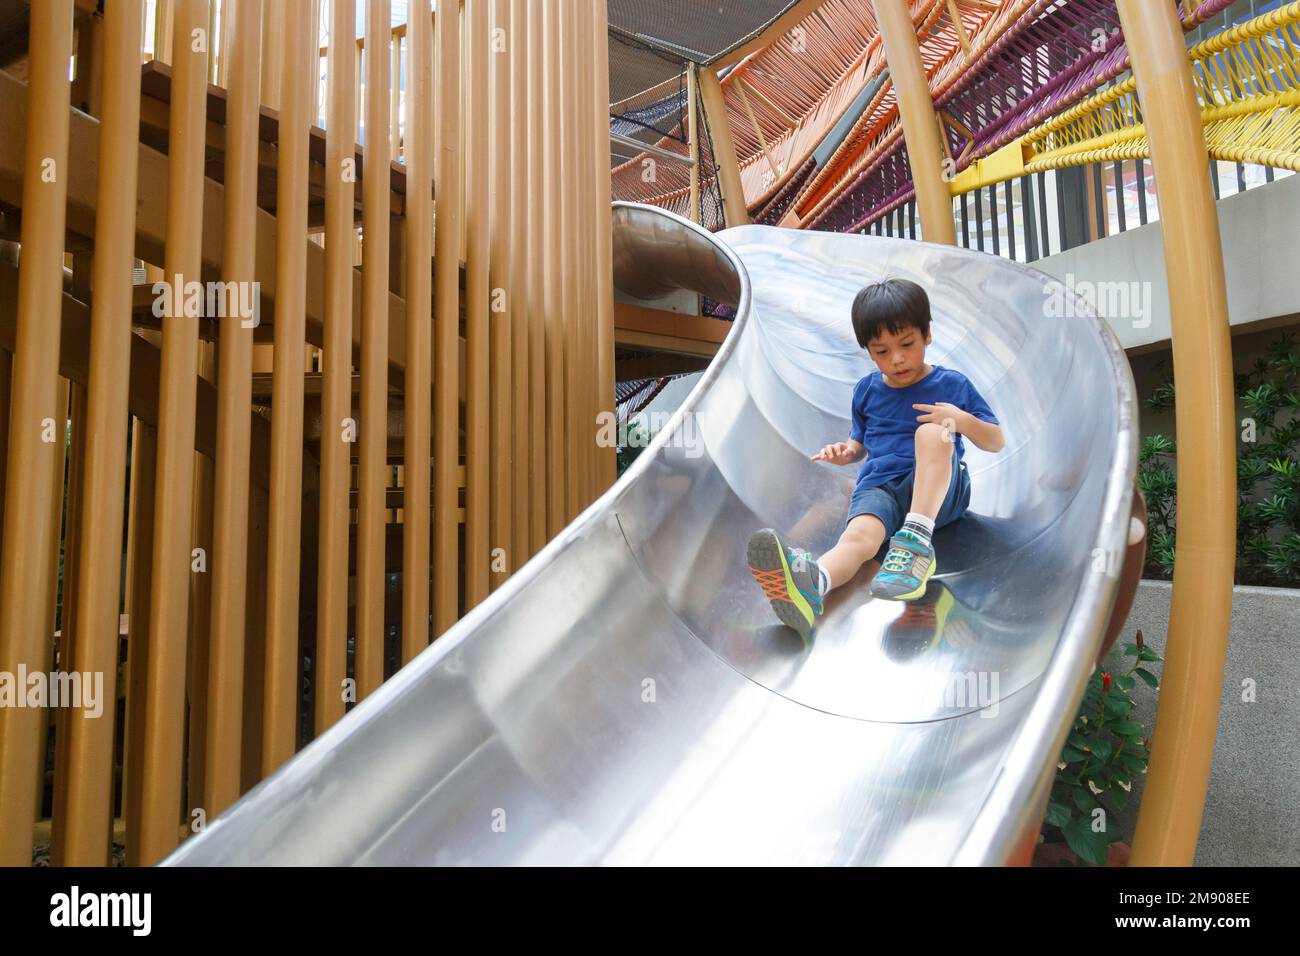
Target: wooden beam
x,y
151,215
668,331
766,101
778,28
664,343
753,121
658,365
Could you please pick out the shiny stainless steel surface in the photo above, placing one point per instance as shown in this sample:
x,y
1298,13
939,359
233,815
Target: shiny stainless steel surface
x,y
627,697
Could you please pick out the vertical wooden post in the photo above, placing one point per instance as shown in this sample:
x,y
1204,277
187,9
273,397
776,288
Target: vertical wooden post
x,y
67,629
164,722
224,54
200,612
478,220
164,28
221,782
520,308
570,317
250,763
506,380
920,127
280,726
538,302
395,80
518,303
419,332
588,318
371,477
336,395
25,576
273,28
139,585
553,262
724,148
447,241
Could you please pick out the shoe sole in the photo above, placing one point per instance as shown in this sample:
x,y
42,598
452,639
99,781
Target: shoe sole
x,y
765,553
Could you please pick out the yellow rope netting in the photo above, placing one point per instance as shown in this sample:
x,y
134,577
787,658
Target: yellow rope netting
x,y
1247,80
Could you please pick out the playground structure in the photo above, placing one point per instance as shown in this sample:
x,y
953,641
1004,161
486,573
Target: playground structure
x,y
869,747
272,539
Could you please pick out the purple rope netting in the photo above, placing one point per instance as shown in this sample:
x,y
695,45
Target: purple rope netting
x,y
1035,69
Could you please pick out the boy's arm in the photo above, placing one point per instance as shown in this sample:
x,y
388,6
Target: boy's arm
x,y
842,453
983,435
982,424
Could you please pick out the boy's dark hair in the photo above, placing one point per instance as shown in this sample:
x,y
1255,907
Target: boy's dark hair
x,y
891,304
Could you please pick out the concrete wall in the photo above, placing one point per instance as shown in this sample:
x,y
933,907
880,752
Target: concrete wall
x,y
1258,232
1252,810
1155,366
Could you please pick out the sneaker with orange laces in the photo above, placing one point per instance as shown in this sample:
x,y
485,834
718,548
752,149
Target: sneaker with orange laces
x,y
789,577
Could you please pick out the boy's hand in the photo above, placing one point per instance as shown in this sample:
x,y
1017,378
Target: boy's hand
x,y
837,454
952,418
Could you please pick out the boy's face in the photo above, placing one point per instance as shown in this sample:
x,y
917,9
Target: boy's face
x,y
899,355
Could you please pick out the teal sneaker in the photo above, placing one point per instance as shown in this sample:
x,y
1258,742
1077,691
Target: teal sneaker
x,y
789,578
907,568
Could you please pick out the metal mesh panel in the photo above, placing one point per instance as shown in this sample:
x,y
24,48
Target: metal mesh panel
x,y
648,117
699,30
651,41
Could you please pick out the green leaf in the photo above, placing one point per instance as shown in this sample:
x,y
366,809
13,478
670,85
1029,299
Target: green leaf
x,y
1058,815
1117,706
1091,847
1149,655
1124,682
1132,763
1071,755
1128,728
1083,799
1148,677
1102,750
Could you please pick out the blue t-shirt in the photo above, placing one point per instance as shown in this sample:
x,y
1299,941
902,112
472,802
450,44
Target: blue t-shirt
x,y
885,421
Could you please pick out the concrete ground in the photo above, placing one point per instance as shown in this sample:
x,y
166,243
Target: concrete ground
x,y
1252,811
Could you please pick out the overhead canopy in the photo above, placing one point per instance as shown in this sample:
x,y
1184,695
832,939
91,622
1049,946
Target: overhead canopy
x,y
650,44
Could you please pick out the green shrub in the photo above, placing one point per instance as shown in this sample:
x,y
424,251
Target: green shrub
x,y
1105,752
1268,474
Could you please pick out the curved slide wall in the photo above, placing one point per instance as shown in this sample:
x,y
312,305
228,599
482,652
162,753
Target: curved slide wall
x,y
628,698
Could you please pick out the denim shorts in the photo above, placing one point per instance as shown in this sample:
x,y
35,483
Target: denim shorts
x,y
892,501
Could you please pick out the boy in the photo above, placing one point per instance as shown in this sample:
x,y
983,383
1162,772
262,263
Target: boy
x,y
909,419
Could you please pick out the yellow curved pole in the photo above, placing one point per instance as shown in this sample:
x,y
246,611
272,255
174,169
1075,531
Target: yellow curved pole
x,y
1187,719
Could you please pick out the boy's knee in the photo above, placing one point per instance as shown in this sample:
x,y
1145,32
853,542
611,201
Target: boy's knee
x,y
865,532
933,437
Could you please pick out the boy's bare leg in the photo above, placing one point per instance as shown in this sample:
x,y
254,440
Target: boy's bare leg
x,y
857,545
933,469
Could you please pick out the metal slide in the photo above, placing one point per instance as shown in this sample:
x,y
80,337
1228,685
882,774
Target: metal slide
x,y
628,698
